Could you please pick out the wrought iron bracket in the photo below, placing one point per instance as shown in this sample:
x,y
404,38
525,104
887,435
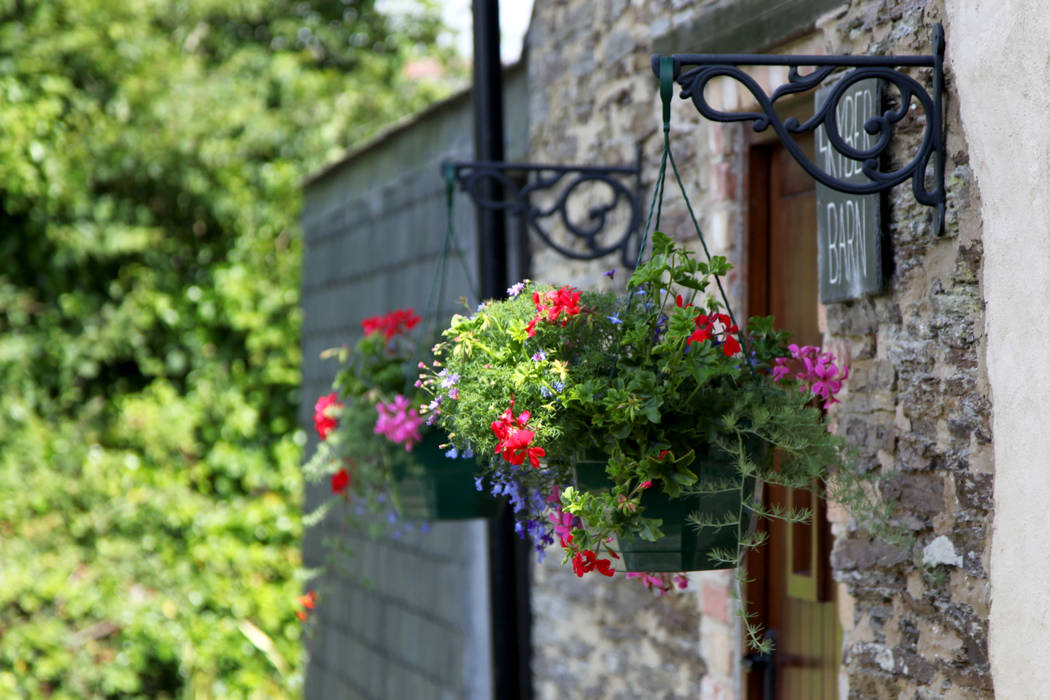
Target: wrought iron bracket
x,y
693,71
522,183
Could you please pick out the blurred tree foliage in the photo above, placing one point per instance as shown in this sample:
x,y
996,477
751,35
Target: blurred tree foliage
x,y
151,153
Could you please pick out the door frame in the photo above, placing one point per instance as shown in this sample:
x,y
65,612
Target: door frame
x,y
759,149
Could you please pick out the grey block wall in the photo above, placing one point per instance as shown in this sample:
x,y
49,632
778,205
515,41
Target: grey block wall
x,y
405,616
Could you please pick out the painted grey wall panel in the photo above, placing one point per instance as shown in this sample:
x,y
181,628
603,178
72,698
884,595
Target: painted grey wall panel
x,y
413,619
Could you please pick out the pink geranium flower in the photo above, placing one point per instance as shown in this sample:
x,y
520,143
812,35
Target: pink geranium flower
x,y
662,583
398,422
815,371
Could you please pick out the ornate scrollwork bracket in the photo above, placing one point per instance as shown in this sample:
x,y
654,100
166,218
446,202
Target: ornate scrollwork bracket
x,y
526,185
693,71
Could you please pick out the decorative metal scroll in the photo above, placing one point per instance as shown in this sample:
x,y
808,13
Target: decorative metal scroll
x,y
693,71
623,184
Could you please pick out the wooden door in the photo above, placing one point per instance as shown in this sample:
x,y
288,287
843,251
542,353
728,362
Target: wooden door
x,y
791,591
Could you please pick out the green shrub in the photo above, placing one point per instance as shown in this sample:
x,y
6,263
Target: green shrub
x,y
150,166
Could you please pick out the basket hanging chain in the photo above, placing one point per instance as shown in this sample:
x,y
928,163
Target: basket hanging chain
x,y
437,287
666,93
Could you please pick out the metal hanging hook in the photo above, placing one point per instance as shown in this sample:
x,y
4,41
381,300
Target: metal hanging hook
x,y
693,72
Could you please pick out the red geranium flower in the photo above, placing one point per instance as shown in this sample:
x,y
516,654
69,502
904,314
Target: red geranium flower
x,y
530,329
340,482
709,326
578,563
553,304
392,323
308,600
514,438
586,561
324,421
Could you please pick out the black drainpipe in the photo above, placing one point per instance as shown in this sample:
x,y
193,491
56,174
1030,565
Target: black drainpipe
x,y
508,554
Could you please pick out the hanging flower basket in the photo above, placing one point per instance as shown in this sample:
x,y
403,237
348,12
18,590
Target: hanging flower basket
x,y
436,486
383,462
685,409
701,531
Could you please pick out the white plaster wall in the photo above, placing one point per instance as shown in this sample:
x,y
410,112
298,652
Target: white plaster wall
x,y
998,53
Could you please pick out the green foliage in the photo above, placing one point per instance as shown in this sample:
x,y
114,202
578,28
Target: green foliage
x,y
376,364
149,190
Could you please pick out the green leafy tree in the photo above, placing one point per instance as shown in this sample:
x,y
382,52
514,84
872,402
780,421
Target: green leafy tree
x,y
151,155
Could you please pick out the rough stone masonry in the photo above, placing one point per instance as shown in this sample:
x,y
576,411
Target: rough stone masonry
x,y
917,405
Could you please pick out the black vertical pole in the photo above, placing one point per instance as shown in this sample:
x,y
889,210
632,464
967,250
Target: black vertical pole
x,y
508,562
488,143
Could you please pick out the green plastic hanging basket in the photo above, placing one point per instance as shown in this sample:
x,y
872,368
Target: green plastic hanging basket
x,y
434,487
684,546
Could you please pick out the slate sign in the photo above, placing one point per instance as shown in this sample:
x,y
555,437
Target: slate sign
x,y
849,226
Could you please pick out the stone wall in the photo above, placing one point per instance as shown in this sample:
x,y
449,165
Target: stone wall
x,y
917,405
